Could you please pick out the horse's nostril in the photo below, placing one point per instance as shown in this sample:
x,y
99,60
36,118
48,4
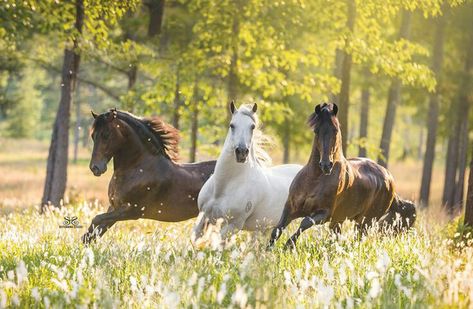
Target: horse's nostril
x,y
331,164
95,168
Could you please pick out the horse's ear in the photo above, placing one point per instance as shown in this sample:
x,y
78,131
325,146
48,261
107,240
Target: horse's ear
x,y
317,109
232,107
334,109
255,108
94,115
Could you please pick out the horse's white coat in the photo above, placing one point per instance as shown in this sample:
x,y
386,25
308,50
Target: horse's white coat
x,y
247,195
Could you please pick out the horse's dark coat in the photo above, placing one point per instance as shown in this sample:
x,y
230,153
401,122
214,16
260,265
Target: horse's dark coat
x,y
332,188
147,182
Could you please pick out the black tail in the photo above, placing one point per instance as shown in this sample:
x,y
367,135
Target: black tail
x,y
401,215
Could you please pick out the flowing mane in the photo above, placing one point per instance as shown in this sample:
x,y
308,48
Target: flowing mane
x,y
160,137
260,140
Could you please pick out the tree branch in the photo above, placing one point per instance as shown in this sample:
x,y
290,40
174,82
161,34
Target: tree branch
x,y
84,80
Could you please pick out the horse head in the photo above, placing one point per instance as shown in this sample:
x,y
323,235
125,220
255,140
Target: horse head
x,y
327,135
108,137
242,125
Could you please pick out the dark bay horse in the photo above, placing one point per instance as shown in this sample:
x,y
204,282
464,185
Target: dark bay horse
x,y
147,182
330,188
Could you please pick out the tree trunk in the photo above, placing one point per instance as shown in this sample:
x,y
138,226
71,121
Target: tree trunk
x,y
469,197
132,74
233,81
456,156
432,122
394,97
364,113
450,171
420,148
77,127
462,162
156,13
194,123
177,101
287,140
56,170
344,98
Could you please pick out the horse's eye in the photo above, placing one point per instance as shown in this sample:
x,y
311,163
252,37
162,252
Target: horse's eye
x,y
232,126
252,127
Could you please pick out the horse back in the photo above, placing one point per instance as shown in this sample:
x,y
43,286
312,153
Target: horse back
x,y
371,191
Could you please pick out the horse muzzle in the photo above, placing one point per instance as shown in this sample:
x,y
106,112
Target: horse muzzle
x,y
241,154
98,169
326,167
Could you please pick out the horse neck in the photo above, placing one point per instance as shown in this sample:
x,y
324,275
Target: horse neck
x,y
133,151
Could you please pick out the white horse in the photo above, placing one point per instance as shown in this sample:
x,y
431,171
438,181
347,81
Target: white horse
x,y
243,193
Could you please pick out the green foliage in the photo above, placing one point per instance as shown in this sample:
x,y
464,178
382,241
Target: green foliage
x,y
281,54
23,117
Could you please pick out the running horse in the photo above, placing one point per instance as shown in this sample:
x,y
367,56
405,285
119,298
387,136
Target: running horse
x,y
245,192
147,182
333,189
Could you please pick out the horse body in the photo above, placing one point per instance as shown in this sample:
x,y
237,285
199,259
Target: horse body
x,y
246,195
147,182
357,189
333,189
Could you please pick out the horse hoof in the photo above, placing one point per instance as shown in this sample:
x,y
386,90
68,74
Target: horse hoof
x,y
290,245
86,239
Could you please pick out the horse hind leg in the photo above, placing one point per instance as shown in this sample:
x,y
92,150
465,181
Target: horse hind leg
x,y
401,215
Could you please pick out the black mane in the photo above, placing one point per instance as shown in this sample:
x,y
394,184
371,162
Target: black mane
x,y
158,136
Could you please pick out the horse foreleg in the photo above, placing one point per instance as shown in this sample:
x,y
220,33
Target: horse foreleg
x,y
282,224
199,228
307,222
101,223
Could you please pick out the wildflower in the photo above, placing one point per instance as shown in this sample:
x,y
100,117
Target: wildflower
x,y
35,294
375,288
240,297
221,293
21,272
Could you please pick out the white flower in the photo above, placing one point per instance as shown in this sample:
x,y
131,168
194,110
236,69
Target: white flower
x,y
240,297
3,299
171,299
375,288
221,293
46,302
133,283
21,272
35,294
325,294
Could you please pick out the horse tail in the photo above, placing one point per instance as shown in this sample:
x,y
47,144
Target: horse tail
x,y
401,215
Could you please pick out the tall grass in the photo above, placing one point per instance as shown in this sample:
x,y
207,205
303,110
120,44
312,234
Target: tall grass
x,y
146,264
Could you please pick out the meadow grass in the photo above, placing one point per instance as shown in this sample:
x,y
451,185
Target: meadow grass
x,y
149,264
146,264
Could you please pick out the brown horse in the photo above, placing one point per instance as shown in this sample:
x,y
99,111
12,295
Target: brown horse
x,y
147,182
332,188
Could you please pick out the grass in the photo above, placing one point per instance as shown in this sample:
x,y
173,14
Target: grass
x,y
148,264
